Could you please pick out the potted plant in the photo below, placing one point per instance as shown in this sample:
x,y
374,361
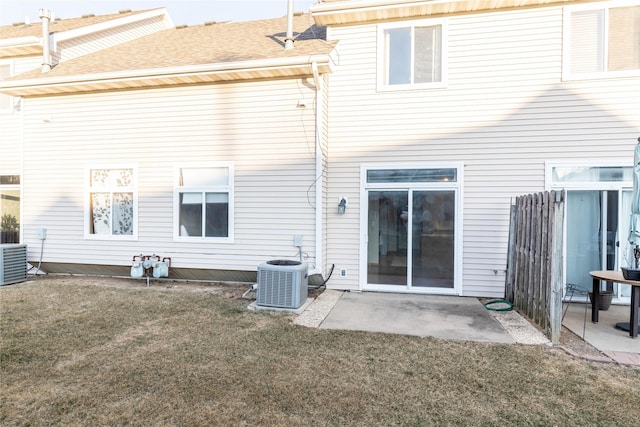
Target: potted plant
x,y
633,272
605,298
9,229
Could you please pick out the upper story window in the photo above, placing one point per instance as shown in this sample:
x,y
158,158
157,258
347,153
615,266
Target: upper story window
x,y
111,203
412,55
204,196
602,39
5,100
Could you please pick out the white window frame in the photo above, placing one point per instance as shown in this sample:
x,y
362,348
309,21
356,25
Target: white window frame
x,y
566,41
620,186
583,185
382,62
131,189
229,189
10,109
14,187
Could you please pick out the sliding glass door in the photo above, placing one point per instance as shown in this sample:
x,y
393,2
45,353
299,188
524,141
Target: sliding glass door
x,y
598,209
388,247
433,239
411,230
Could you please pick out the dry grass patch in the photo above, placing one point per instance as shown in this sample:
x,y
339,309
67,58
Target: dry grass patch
x,y
74,353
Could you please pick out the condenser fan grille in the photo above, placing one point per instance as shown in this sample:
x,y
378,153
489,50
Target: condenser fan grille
x,y
282,284
13,263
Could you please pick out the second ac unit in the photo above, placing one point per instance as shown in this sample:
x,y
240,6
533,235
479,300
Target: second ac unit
x,y
13,263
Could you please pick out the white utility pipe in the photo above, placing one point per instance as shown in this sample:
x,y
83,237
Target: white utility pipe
x,y
288,41
45,15
319,173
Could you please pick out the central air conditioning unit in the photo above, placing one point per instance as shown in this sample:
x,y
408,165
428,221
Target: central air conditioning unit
x,y
282,284
13,263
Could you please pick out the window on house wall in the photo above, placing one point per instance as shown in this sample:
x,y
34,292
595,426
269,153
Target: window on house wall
x,y
112,202
5,100
9,208
413,55
603,38
204,198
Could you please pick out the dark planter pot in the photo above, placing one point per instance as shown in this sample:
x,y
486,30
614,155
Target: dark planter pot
x,y
630,274
605,299
9,237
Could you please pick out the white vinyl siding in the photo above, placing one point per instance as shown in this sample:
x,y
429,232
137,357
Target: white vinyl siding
x,y
602,39
505,112
5,100
11,118
11,132
26,63
255,125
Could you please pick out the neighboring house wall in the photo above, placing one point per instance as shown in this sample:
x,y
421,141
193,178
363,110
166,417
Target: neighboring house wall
x,y
23,64
10,118
504,112
256,126
75,47
73,43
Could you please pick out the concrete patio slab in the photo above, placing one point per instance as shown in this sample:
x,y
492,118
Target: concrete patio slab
x,y
449,317
602,335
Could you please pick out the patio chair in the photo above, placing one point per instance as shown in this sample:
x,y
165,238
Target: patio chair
x,y
571,291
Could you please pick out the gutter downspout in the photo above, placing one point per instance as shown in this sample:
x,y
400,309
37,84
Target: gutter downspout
x,y
22,101
45,15
319,173
288,41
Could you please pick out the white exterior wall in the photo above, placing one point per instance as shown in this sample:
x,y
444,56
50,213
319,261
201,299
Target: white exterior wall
x,y
504,112
10,121
257,126
26,63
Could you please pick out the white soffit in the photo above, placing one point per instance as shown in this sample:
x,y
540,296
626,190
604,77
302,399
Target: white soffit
x,y
212,73
354,11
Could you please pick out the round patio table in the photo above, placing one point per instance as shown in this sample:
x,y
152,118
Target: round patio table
x,y
616,277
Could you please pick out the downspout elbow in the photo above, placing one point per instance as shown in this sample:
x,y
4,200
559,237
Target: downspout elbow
x,y
316,75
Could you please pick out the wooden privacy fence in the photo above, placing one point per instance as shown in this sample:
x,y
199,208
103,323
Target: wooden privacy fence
x,y
534,264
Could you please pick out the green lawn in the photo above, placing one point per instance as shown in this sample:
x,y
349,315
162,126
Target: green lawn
x,y
78,351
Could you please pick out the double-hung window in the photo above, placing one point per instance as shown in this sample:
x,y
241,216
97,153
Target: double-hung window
x,y
203,199
412,55
112,208
602,39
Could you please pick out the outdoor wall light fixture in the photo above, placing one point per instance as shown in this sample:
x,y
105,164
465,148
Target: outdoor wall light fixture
x,y
342,206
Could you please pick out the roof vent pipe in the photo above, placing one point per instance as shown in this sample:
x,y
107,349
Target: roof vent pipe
x,y
45,15
288,41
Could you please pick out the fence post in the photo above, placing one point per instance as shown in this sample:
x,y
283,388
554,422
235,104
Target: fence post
x,y
511,256
555,297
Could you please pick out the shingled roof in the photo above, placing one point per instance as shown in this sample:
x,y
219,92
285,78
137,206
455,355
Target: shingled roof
x,y
57,25
225,49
